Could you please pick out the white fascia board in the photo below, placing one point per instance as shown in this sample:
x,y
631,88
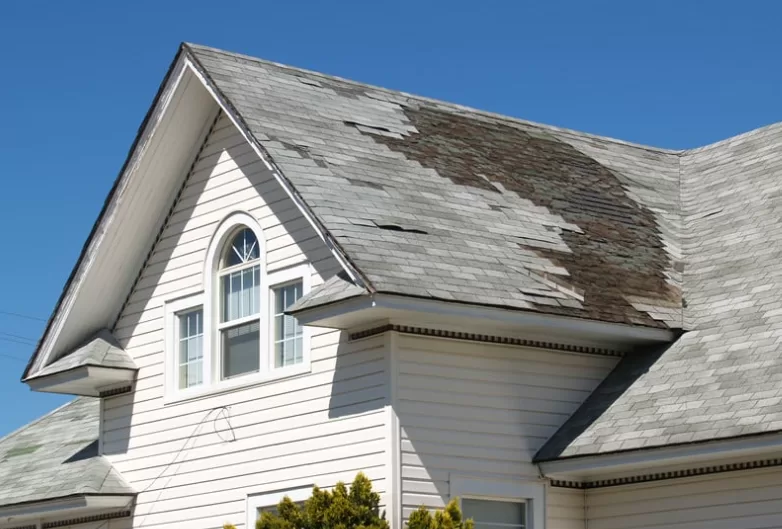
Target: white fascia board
x,y
436,313
303,208
83,380
63,508
58,319
694,454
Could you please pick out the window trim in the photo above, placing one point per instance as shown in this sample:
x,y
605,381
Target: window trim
x,y
532,492
172,309
280,278
209,298
259,500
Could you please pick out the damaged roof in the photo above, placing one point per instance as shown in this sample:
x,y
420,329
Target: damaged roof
x,y
433,200
56,456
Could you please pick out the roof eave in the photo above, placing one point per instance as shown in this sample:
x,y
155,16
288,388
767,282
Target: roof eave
x,y
110,199
66,507
85,380
590,466
364,310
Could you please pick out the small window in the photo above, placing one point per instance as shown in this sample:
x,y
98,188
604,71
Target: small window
x,y
268,501
288,334
490,514
190,347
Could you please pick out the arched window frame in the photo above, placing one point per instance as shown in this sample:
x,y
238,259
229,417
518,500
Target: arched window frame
x,y
269,280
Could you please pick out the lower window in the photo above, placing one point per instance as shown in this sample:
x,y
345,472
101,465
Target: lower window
x,y
268,501
491,514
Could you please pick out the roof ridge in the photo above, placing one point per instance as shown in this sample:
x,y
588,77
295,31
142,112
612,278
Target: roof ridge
x,y
38,420
449,104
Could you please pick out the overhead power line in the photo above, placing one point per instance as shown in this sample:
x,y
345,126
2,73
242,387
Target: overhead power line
x,y
3,355
14,340
19,337
18,315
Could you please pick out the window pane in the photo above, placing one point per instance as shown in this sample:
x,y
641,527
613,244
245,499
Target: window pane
x,y
241,349
288,334
495,514
241,293
242,248
191,348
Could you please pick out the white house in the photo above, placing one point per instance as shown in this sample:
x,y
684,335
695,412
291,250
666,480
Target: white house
x,y
297,277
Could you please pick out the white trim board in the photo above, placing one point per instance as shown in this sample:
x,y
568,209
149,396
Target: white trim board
x,y
646,461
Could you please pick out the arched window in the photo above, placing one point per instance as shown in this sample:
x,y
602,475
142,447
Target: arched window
x,y
236,331
239,280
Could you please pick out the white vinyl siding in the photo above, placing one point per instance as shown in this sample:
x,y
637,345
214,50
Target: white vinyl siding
x,y
733,500
314,428
481,409
565,508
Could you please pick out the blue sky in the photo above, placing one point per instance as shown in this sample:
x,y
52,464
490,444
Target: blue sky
x,y
77,78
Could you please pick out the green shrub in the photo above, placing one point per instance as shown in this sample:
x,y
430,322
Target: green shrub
x,y
357,508
449,518
339,509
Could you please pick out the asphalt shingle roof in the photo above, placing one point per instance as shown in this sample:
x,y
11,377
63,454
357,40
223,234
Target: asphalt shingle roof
x,y
101,350
56,456
723,378
435,200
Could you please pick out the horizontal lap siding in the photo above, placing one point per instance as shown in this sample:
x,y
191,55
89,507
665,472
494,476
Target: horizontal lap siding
x,y
316,428
483,409
565,508
735,500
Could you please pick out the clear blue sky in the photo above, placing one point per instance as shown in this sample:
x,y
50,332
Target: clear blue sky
x,y
77,78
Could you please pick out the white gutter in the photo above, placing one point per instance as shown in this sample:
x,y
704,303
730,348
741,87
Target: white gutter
x,y
750,447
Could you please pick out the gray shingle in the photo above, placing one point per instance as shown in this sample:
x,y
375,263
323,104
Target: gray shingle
x,y
56,456
525,212
101,350
436,200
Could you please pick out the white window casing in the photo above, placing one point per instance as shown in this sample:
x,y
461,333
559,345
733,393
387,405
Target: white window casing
x,y
530,492
264,500
283,347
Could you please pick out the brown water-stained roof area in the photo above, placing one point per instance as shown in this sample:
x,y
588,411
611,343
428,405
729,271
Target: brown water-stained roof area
x,y
432,200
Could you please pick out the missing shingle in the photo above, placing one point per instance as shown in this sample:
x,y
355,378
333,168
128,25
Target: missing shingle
x,y
365,126
303,150
310,82
395,227
364,183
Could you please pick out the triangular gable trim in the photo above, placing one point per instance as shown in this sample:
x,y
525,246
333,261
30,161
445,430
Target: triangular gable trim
x,y
184,61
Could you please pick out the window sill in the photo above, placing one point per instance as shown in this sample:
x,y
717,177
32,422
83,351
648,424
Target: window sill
x,y
236,384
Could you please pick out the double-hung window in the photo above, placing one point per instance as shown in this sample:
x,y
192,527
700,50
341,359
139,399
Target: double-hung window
x,y
240,305
236,331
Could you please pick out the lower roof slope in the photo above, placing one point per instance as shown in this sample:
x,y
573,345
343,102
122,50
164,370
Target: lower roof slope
x,y
433,200
723,378
56,456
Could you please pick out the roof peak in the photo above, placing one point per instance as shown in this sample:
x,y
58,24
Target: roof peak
x,y
445,105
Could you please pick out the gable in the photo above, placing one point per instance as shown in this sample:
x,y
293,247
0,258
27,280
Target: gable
x,y
226,177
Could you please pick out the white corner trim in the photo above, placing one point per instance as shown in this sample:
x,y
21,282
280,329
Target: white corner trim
x,y
275,171
531,491
393,435
260,500
754,446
